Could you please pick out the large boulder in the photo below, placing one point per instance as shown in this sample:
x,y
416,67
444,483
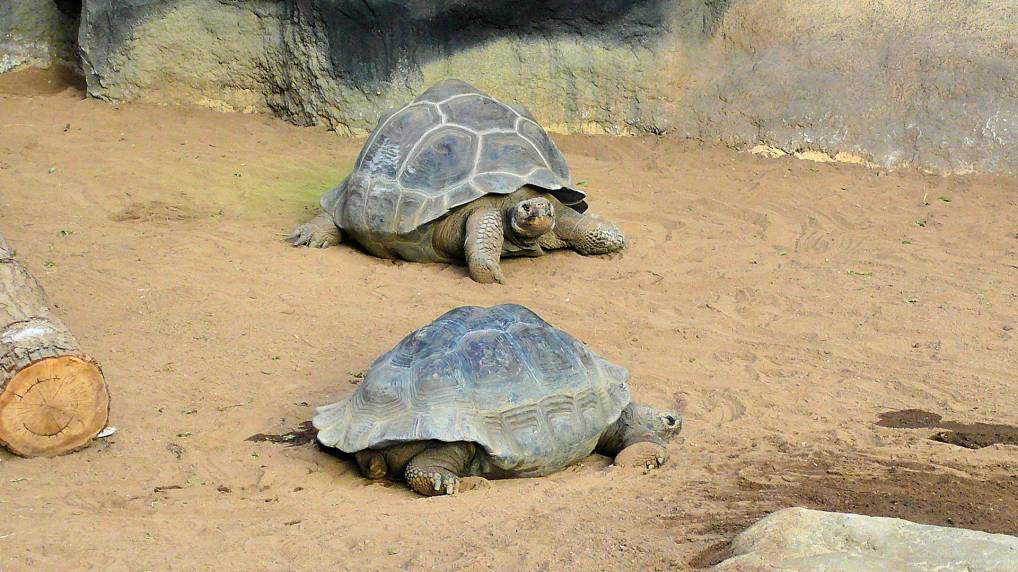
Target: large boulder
x,y
927,83
37,33
802,540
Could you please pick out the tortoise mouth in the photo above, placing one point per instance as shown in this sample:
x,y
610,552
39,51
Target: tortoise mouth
x,y
534,227
533,218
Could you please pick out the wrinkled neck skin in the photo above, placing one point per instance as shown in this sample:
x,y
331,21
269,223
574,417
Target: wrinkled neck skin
x,y
631,427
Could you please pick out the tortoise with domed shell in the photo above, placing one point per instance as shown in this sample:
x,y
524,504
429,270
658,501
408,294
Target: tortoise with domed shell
x,y
491,393
455,175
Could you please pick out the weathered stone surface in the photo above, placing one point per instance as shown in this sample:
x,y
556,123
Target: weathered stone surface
x,y
37,33
802,540
927,83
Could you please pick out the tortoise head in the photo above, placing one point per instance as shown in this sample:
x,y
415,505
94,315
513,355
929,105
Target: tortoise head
x,y
664,424
532,218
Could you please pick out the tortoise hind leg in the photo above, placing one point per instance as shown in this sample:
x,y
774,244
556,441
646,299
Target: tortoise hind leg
x,y
319,232
441,469
372,464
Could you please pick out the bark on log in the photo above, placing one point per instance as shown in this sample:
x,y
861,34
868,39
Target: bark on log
x,y
53,397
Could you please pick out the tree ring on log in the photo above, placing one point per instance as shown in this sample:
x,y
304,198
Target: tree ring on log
x,y
53,406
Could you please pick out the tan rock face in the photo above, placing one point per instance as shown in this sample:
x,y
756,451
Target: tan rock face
x,y
36,33
928,83
802,540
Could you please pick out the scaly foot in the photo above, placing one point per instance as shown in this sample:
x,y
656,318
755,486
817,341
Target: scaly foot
x,y
319,232
643,455
442,482
487,271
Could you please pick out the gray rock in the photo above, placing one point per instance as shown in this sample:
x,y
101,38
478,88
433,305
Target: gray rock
x,y
37,33
801,540
926,83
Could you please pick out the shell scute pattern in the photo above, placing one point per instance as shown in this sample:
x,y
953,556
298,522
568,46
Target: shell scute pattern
x,y
545,147
445,89
532,395
435,338
479,113
509,152
396,137
444,159
553,361
450,146
492,359
501,183
438,381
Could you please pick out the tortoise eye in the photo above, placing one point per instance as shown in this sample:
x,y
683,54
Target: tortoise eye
x,y
670,419
526,207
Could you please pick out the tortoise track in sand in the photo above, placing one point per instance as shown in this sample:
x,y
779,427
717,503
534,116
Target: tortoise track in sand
x,y
729,296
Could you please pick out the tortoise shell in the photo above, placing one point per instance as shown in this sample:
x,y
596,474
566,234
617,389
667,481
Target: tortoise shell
x,y
451,145
536,398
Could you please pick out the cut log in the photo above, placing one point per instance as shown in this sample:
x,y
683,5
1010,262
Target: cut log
x,y
53,397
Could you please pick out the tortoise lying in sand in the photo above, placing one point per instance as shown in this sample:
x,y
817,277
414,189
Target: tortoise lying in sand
x,y
491,392
457,174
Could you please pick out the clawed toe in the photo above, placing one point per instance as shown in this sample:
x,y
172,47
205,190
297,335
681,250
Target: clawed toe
x,y
487,273
319,232
449,484
301,236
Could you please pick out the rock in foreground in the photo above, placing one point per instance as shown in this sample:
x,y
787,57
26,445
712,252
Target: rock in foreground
x,y
800,540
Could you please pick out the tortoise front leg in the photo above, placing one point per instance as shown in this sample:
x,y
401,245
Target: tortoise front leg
x,y
586,234
631,443
319,232
642,454
483,245
440,469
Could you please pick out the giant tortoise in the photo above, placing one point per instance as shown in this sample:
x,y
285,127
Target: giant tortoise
x,y
457,174
491,393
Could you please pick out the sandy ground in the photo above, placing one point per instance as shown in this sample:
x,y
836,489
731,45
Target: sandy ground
x,y
783,305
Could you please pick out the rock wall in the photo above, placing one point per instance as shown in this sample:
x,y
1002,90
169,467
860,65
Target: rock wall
x,y
925,83
37,33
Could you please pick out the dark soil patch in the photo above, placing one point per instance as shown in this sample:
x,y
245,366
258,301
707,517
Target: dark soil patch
x,y
928,498
981,436
303,435
969,435
909,419
911,491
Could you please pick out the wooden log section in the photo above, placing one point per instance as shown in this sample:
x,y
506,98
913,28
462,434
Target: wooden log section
x,y
53,398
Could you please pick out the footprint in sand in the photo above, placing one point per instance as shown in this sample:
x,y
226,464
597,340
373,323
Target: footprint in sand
x,y
723,406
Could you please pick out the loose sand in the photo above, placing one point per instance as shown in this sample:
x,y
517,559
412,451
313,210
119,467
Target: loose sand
x,y
784,305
